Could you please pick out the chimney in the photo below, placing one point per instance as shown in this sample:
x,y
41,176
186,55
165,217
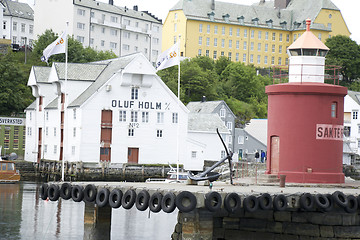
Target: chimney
x,y
135,8
281,4
203,99
111,2
212,4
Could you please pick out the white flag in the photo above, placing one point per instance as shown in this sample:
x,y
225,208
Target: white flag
x,y
58,46
168,58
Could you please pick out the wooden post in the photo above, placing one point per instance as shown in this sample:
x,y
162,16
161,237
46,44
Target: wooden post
x,y
97,222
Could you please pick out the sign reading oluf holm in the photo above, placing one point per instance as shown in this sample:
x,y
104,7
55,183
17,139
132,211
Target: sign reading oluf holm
x,y
168,58
329,132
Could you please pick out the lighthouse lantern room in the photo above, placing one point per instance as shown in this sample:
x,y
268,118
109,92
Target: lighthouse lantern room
x,y
305,118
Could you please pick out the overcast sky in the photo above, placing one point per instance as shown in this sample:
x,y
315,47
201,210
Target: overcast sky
x,y
160,8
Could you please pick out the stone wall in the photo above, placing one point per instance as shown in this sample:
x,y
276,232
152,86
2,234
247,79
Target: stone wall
x,y
267,224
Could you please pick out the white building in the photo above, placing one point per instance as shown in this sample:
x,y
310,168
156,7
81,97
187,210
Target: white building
x,y
102,26
18,22
203,144
116,110
220,108
351,127
2,10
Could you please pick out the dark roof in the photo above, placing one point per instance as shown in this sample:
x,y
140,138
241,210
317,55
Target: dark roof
x,y
17,9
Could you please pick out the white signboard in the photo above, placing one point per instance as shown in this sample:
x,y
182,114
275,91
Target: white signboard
x,y
329,132
12,121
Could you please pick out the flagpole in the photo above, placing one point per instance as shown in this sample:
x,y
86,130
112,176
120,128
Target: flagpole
x,y
178,120
65,105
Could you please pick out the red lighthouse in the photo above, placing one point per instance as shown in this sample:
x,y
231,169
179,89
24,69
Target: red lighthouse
x,y
305,118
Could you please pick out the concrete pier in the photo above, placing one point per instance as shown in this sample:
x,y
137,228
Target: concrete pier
x,y
97,222
226,211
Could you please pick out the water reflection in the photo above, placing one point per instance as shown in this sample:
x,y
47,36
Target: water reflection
x,y
23,215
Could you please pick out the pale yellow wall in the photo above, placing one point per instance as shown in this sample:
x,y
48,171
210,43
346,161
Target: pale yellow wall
x,y
189,30
193,45
168,31
336,19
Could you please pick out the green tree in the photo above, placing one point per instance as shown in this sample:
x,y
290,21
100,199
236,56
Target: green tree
x,y
15,96
221,64
197,82
76,52
345,53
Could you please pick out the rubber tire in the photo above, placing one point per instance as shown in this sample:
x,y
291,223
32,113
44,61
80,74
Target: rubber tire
x,y
65,191
307,202
128,200
231,198
155,202
179,201
77,193
115,198
251,203
280,202
102,197
210,198
142,200
265,201
321,201
53,192
90,193
340,199
168,204
44,191
352,204
331,203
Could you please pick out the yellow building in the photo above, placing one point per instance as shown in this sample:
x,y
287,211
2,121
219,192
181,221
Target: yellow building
x,y
259,34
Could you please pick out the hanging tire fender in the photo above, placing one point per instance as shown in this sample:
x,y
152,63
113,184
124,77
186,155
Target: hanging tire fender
x,y
77,193
352,205
155,202
115,198
251,203
340,199
307,202
128,200
213,201
232,202
280,202
90,193
265,201
53,192
181,203
65,191
321,201
168,204
44,191
331,203
102,197
142,200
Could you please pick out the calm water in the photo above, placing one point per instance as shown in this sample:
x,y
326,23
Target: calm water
x,y
23,215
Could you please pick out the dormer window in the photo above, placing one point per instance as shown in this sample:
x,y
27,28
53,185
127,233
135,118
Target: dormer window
x,y
283,25
211,16
226,17
255,21
241,20
296,25
269,23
